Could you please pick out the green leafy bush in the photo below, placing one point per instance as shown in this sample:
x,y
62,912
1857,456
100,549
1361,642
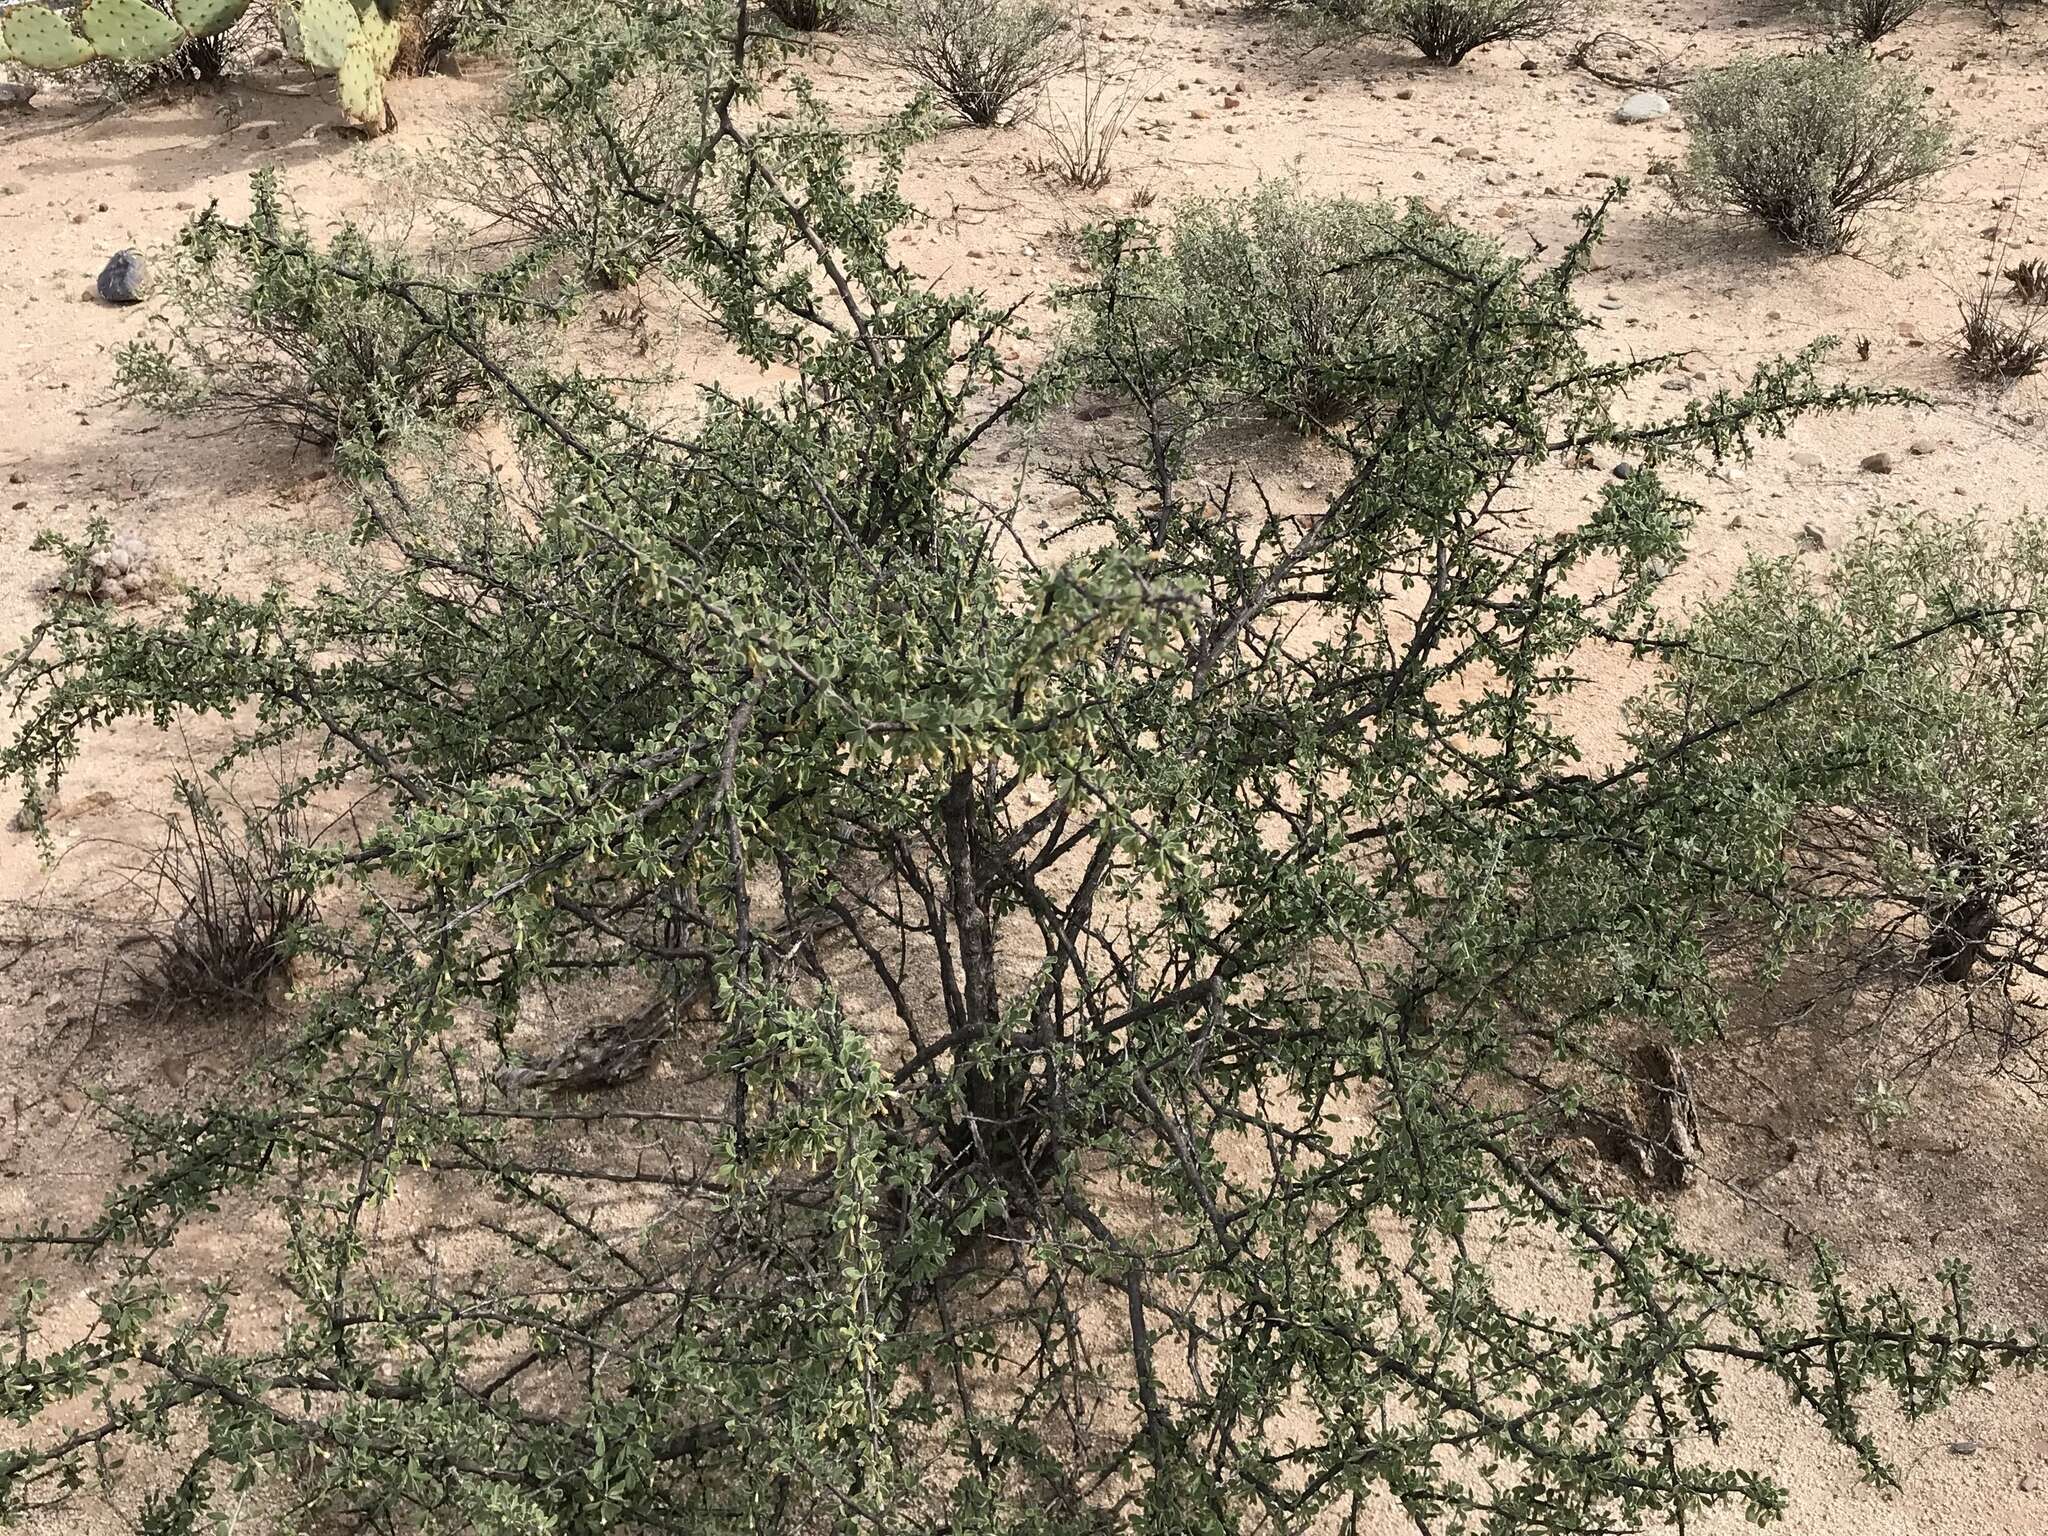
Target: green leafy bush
x,y
1892,754
1809,143
1281,302
1121,991
264,328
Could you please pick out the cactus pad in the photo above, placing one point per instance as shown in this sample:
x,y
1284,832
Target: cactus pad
x,y
132,31
326,28
42,39
208,18
360,83
385,38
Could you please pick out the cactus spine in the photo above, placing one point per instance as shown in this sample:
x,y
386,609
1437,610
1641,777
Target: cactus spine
x,y
356,41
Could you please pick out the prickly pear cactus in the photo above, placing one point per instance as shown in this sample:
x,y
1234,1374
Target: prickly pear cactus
x,y
354,40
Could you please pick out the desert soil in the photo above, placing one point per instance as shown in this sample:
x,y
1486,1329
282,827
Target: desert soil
x,y
1513,142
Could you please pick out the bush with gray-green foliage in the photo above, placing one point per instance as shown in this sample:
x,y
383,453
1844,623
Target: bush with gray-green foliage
x,y
1120,994
1278,302
585,186
1809,143
1891,760
981,57
262,326
1445,31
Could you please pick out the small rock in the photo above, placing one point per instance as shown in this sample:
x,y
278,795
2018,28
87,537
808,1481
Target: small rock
x,y
124,279
1923,446
1623,470
1806,458
1529,66
1963,1447
1643,107
1810,537
1407,95
1878,463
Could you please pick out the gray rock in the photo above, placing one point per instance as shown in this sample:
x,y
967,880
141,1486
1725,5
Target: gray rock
x,y
125,279
1878,463
1643,107
17,93
1623,470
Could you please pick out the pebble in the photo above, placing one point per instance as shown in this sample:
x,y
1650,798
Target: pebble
x,y
1806,458
1623,470
1923,446
1643,107
124,279
1878,463
1963,1447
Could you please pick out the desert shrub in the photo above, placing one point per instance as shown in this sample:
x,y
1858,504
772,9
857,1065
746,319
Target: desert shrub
x,y
589,186
1447,30
1868,22
2029,279
982,57
1894,764
1082,142
1809,143
1118,999
1279,301
265,328
1995,340
228,901
811,15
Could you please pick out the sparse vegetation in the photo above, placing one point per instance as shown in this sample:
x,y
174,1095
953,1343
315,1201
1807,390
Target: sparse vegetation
x,y
982,57
1082,141
1808,144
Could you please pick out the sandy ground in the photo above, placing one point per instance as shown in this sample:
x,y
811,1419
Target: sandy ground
x,y
1512,142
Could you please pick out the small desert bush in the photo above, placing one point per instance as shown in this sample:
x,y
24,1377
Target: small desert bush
x,y
264,327
1996,342
2029,279
1278,302
1447,30
1868,22
811,15
982,57
1081,142
593,186
229,904
1809,143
